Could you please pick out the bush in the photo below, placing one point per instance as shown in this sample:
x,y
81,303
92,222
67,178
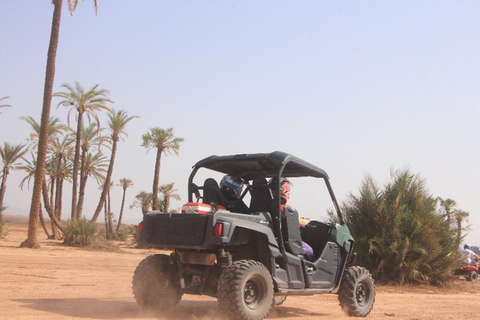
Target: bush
x,y
123,234
399,235
80,233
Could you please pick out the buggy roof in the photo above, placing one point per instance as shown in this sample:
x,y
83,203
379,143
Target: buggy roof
x,y
251,166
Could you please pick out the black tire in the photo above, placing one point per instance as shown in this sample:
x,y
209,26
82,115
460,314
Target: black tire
x,y
471,276
245,290
154,285
357,292
278,300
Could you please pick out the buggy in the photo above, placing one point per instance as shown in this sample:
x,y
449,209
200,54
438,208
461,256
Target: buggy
x,y
248,256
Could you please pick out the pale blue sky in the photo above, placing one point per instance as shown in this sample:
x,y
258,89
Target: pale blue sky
x,y
354,87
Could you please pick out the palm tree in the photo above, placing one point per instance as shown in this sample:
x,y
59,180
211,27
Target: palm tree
x,y
55,127
56,173
142,200
460,216
54,163
117,122
124,183
32,241
4,105
400,235
62,150
10,155
29,168
448,206
84,102
107,211
165,143
52,166
168,191
95,166
91,135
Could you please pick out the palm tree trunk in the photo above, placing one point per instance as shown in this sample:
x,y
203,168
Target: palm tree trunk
x,y
58,199
3,186
110,214
156,179
121,210
32,240
2,193
76,163
52,192
42,222
83,183
107,234
166,204
52,224
106,183
49,209
459,231
46,204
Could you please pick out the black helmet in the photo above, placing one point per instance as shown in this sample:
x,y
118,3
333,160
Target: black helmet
x,y
466,246
232,185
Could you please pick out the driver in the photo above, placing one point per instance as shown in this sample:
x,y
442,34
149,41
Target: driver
x,y
231,188
285,188
468,256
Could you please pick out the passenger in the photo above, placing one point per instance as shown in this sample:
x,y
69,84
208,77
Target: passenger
x,y
285,188
232,188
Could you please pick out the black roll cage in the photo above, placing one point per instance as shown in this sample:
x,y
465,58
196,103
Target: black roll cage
x,y
272,165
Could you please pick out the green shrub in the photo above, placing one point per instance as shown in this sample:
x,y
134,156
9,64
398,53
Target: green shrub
x,y
130,233
80,233
121,235
125,233
399,235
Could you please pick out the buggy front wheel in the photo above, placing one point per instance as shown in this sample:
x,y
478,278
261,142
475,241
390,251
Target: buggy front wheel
x,y
357,292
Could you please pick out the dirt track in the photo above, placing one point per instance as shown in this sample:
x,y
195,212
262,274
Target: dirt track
x,y
59,282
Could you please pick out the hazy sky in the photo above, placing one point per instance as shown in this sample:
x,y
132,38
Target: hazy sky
x,y
355,87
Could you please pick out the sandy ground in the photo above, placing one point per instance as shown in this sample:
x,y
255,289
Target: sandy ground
x,y
57,282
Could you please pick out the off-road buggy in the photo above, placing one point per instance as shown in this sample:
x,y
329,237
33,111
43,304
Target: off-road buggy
x,y
249,261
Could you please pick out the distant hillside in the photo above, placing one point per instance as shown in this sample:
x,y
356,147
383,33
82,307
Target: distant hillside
x,y
16,211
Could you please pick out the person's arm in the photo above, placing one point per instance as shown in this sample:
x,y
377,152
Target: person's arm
x,y
303,222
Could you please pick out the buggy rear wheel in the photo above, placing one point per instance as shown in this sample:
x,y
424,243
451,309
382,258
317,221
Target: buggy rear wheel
x,y
154,283
357,292
245,290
